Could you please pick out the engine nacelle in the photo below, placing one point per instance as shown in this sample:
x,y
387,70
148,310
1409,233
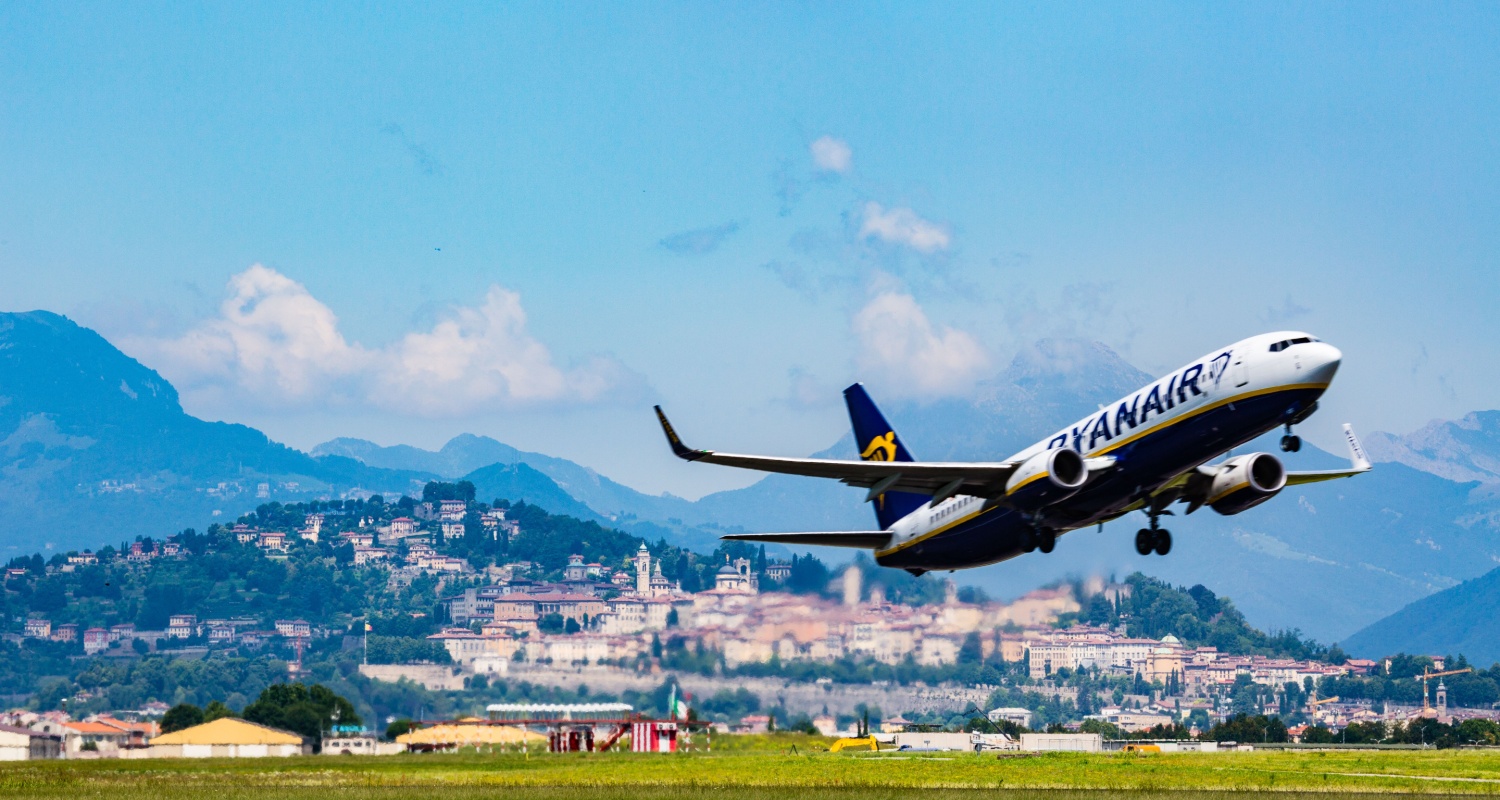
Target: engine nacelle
x,y
1245,482
1046,478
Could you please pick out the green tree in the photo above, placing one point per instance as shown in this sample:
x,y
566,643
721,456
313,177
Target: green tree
x,y
399,727
182,715
217,710
300,709
1319,734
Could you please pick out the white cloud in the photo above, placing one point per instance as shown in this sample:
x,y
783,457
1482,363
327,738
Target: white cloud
x,y
903,226
483,355
832,155
274,343
900,348
271,338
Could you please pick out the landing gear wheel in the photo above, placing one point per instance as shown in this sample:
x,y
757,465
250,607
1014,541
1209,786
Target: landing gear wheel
x,y
1291,443
1028,541
1145,540
1163,542
1046,540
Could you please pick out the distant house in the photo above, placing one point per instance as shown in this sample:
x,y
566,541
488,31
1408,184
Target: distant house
x,y
491,521
402,527
244,534
358,538
452,510
171,549
85,558
95,640
364,555
182,626
254,639
125,630
778,571
272,540
753,723
23,744
66,632
453,530
39,628
106,734
1019,716
221,634
294,628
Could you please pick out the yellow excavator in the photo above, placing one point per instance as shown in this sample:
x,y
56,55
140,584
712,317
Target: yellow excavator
x,y
861,743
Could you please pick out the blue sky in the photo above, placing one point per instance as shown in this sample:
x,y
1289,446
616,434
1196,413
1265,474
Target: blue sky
x,y
533,221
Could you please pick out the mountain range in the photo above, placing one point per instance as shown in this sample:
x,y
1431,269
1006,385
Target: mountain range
x,y
1467,449
1460,619
94,448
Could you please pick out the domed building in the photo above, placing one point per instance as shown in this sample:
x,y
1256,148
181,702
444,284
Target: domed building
x,y
737,579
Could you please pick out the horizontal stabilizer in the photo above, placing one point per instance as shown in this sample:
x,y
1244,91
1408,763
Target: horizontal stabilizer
x,y
869,540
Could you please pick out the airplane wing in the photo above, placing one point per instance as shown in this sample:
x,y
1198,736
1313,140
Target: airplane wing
x,y
1358,463
939,479
872,540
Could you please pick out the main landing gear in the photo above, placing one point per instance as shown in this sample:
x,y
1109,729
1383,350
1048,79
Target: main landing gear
x,y
1154,538
1039,538
1290,443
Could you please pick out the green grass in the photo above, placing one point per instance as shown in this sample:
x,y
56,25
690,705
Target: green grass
x,y
759,769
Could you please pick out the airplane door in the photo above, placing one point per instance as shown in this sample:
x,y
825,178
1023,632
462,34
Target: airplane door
x,y
1239,371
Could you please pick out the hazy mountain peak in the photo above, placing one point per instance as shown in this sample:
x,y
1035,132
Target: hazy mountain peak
x,y
54,366
1074,367
1467,449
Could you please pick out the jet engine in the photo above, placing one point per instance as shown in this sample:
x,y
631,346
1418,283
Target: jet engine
x,y
1245,482
1046,478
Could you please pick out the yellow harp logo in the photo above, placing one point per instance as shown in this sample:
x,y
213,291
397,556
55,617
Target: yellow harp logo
x,y
882,448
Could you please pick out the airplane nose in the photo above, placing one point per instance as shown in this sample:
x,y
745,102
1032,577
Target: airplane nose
x,y
1320,361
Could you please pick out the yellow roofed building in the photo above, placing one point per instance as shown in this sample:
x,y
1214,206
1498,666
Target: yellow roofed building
x,y
228,737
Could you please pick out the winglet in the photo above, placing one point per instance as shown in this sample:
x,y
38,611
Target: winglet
x,y
678,448
1357,457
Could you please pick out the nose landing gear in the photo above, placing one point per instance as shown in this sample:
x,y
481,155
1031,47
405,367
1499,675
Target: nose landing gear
x,y
1290,443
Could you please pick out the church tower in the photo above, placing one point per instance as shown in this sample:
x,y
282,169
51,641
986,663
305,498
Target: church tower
x,y
643,571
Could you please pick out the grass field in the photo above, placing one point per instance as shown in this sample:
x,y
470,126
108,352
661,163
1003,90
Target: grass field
x,y
764,768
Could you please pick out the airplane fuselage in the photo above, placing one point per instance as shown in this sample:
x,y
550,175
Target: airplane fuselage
x,y
1138,444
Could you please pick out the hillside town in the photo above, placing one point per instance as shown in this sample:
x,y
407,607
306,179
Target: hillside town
x,y
503,606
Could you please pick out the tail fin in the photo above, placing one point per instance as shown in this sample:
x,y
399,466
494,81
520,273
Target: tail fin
x,y
877,441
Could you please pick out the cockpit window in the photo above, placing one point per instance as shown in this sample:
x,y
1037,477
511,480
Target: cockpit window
x,y
1285,343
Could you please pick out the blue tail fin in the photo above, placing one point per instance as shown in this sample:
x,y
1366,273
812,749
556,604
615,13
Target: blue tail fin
x,y
877,441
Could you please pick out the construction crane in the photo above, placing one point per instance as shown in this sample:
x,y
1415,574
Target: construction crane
x,y
1313,702
1427,675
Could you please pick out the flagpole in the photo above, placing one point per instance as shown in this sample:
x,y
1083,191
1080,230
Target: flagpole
x,y
367,643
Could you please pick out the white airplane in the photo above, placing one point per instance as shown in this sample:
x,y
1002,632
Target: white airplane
x,y
1141,453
